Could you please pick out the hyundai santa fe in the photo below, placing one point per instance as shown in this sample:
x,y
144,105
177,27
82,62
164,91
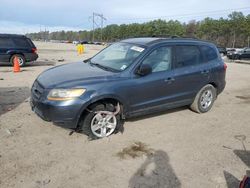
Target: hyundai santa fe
x,y
133,77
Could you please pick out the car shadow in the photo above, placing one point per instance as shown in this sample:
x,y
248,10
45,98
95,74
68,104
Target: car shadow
x,y
164,112
156,171
11,97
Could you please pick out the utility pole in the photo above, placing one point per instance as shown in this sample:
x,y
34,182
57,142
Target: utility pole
x,y
93,29
45,33
96,19
248,41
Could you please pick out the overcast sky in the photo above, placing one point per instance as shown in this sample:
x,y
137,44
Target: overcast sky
x,y
22,16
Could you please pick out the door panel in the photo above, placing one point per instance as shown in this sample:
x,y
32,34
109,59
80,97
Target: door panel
x,y
152,90
191,73
246,53
156,88
5,45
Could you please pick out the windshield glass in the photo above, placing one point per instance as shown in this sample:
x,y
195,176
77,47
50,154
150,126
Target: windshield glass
x,y
117,56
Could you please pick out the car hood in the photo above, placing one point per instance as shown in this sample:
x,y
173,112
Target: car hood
x,y
73,75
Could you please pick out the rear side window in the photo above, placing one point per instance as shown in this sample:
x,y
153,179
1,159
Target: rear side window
x,y
21,42
209,53
30,43
5,42
187,56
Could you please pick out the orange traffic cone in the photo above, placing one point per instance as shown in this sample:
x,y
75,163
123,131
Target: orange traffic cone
x,y
16,67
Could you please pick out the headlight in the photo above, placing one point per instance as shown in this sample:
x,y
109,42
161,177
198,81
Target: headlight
x,y
64,94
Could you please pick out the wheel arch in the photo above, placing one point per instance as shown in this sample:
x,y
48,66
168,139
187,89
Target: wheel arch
x,y
16,53
103,99
215,86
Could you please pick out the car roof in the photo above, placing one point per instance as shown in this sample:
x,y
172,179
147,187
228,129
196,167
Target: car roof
x,y
13,35
149,41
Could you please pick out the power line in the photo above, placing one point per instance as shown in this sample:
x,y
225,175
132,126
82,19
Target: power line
x,y
183,15
95,16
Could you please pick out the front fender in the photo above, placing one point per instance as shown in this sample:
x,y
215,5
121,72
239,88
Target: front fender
x,y
95,98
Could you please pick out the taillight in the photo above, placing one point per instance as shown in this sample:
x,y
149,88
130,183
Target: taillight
x,y
225,66
33,50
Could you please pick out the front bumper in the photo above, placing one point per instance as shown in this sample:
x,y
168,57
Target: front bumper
x,y
63,113
65,116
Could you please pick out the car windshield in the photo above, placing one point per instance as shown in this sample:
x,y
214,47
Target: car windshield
x,y
118,56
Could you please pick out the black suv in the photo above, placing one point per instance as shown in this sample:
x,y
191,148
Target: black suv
x,y
17,46
130,78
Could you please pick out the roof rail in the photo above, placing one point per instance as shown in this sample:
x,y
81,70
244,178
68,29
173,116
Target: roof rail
x,y
174,37
166,36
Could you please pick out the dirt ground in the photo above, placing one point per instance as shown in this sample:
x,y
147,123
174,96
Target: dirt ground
x,y
177,148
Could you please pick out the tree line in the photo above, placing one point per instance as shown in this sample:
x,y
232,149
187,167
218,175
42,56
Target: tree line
x,y
233,31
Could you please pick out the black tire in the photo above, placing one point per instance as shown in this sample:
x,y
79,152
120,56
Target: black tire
x,y
85,124
197,106
237,57
21,58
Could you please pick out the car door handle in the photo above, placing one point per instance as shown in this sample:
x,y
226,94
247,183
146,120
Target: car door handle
x,y
205,72
169,80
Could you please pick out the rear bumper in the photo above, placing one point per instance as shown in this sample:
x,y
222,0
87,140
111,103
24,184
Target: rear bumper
x,y
221,88
31,57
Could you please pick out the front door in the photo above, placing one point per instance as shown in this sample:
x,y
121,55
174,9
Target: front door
x,y
156,88
246,53
5,45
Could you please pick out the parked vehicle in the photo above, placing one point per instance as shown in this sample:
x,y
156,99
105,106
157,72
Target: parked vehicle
x,y
19,46
242,54
84,42
75,42
130,78
239,53
222,50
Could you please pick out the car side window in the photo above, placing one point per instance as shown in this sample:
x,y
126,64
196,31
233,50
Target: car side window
x,y
209,53
187,56
21,42
159,59
5,42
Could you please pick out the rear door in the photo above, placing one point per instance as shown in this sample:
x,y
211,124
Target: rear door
x,y
21,43
5,45
191,73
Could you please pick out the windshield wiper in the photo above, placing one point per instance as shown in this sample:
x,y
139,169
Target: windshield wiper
x,y
104,67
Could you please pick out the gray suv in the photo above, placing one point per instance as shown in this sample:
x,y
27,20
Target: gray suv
x,y
130,78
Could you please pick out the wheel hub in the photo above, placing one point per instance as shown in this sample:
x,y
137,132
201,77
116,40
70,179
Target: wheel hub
x,y
103,125
206,99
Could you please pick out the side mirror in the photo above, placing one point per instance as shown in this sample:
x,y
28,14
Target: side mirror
x,y
144,70
86,60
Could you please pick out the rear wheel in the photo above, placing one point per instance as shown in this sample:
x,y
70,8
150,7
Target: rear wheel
x,y
100,121
237,57
21,60
204,99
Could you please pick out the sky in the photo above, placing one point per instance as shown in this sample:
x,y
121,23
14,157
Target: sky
x,y
25,16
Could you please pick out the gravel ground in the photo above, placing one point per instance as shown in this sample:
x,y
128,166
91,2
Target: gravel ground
x,y
176,148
